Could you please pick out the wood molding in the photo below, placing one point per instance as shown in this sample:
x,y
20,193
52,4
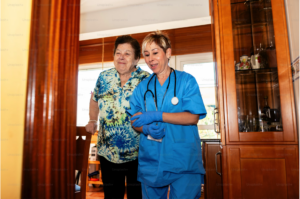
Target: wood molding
x,y
184,41
284,71
216,46
50,120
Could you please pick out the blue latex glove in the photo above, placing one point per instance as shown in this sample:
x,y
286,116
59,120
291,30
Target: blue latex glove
x,y
156,131
147,118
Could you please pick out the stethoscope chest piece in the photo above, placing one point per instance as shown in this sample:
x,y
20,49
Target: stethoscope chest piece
x,y
174,101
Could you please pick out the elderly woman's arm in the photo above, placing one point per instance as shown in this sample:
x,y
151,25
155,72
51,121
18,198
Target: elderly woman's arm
x,y
139,129
91,127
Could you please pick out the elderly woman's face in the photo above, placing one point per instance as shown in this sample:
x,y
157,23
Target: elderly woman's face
x,y
124,58
156,58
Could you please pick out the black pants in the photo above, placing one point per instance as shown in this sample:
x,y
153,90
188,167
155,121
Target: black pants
x,y
113,177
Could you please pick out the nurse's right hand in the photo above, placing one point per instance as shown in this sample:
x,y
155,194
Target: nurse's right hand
x,y
156,131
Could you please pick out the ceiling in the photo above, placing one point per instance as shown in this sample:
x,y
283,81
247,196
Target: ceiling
x,y
96,5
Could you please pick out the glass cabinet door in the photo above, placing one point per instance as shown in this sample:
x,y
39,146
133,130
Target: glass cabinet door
x,y
257,88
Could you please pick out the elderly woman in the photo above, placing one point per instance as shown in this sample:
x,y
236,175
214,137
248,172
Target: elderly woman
x,y
166,108
118,143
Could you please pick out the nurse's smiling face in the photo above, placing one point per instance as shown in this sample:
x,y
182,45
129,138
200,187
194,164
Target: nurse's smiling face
x,y
156,58
124,60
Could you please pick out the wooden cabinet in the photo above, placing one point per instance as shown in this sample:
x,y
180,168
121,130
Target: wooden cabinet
x,y
254,33
211,158
255,93
268,171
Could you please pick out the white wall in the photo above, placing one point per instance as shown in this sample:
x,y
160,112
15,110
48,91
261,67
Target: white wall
x,y
292,12
15,35
143,14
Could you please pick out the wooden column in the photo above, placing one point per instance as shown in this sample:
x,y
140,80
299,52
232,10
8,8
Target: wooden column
x,y
50,120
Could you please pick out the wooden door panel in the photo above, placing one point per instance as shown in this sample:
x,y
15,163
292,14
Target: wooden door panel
x,y
261,171
234,174
261,136
263,178
213,182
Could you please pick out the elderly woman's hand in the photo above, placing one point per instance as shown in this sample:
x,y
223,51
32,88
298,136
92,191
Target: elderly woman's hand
x,y
139,113
91,127
147,118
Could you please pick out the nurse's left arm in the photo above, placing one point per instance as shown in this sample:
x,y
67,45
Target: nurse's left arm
x,y
183,118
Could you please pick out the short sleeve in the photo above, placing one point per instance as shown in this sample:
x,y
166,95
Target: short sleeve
x,y
97,89
135,102
192,100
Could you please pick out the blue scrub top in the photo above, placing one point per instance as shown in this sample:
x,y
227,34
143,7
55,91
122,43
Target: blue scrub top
x,y
161,163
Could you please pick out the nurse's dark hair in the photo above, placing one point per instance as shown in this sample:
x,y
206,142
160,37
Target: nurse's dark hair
x,y
160,38
127,39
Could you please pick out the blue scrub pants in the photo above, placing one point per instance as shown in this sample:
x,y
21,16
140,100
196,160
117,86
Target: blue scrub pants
x,y
188,186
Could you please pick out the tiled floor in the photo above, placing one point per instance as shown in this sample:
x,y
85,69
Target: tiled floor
x,y
100,195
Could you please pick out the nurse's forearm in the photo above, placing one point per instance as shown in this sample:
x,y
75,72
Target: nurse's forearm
x,y
183,118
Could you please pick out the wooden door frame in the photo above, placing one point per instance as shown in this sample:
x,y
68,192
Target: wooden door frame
x,y
51,101
216,46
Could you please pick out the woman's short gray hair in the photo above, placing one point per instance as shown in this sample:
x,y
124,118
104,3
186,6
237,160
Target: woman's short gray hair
x,y
160,38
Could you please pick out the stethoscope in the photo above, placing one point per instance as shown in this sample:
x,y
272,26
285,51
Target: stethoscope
x,y
174,100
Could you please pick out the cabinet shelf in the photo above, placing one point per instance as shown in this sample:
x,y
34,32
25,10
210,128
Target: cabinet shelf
x,y
247,1
241,25
259,71
265,132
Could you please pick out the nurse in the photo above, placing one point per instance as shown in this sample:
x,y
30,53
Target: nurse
x,y
166,108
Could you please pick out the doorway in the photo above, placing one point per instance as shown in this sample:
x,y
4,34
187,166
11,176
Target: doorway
x,y
51,98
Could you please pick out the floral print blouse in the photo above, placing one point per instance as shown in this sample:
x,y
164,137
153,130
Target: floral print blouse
x,y
117,141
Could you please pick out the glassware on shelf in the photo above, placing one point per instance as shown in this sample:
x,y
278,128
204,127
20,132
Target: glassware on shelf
x,y
237,66
242,125
271,56
263,57
241,121
247,125
250,121
263,125
255,61
266,112
279,127
255,124
275,120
